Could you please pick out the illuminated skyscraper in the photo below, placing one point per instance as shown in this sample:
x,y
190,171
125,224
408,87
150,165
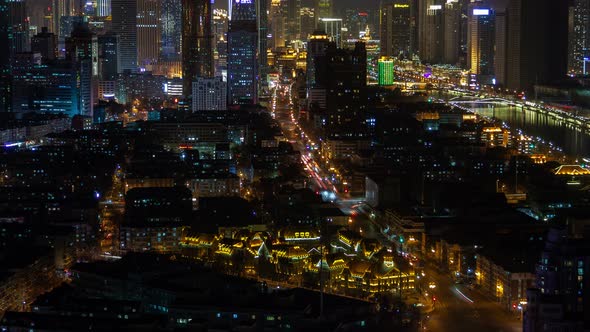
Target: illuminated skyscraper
x,y
242,63
323,8
262,19
103,7
431,32
333,28
18,27
579,56
197,42
480,41
149,31
316,48
386,76
396,34
291,11
171,30
452,18
82,52
124,24
5,84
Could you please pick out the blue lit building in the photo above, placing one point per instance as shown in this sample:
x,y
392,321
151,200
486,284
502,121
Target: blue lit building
x,y
242,62
44,87
171,29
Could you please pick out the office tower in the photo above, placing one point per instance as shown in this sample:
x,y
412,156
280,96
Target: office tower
x,y
59,9
386,74
37,87
431,31
108,56
242,63
291,11
82,52
66,26
500,53
124,24
243,10
343,73
579,62
316,49
307,22
537,48
209,94
452,32
277,25
171,30
481,39
333,28
103,8
323,8
18,27
263,69
45,43
220,27
197,42
5,77
149,32
396,34
355,23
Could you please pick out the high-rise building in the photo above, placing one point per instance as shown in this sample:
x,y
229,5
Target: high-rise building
x,y
243,10
45,43
396,34
560,301
333,28
197,42
82,52
343,73
66,26
316,48
579,57
537,48
323,8
242,62
386,73
452,31
481,42
171,30
431,32
263,69
149,32
37,87
291,11
5,77
108,57
308,22
209,94
220,27
59,9
124,24
277,25
500,54
18,27
103,8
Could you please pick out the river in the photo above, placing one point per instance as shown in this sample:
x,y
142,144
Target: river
x,y
572,140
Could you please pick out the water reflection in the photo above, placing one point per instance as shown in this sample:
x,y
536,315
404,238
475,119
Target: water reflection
x,y
573,140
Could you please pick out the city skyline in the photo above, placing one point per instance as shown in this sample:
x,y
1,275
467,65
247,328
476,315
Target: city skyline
x,y
295,165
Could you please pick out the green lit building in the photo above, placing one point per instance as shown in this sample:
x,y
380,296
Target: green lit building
x,y
386,76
